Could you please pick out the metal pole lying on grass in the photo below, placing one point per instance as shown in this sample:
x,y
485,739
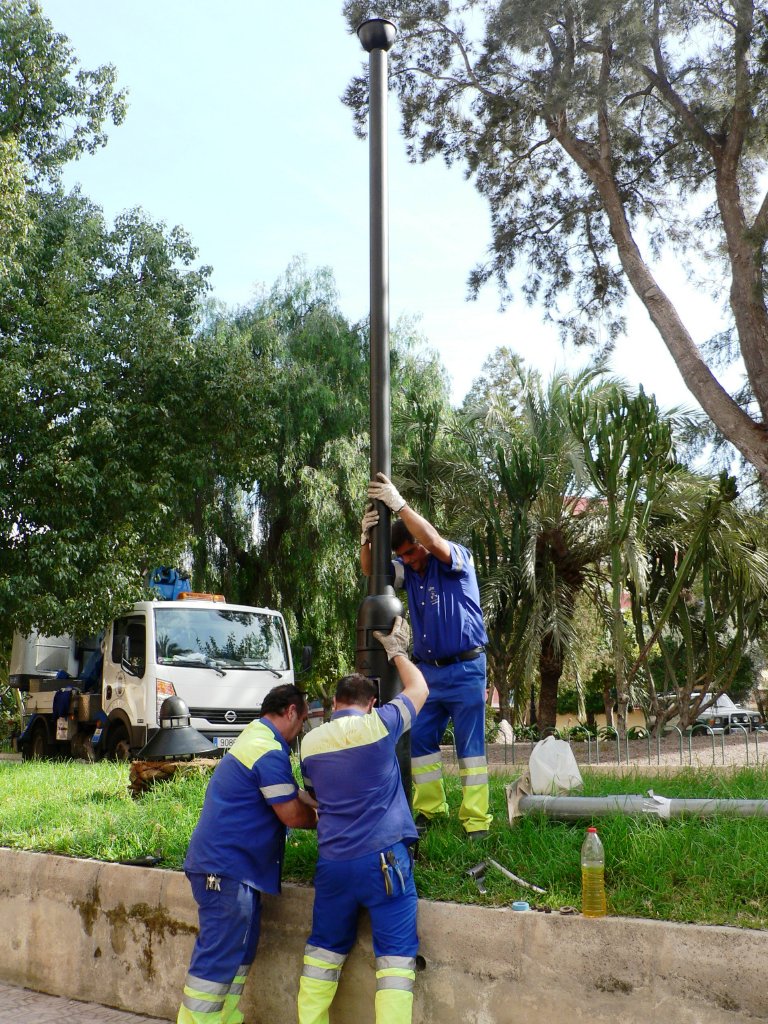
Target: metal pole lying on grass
x,y
573,808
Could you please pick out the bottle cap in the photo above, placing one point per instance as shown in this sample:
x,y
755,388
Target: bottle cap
x,y
591,829
521,905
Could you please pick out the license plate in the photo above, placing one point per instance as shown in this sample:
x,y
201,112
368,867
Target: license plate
x,y
223,741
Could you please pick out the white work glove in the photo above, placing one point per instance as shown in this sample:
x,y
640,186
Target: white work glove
x,y
370,519
382,489
397,640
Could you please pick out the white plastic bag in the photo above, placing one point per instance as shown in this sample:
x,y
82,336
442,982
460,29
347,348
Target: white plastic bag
x,y
553,769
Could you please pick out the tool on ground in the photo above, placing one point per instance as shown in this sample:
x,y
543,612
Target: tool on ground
x,y
385,872
150,861
392,861
514,878
477,874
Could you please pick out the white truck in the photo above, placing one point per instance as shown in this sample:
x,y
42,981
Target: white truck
x,y
102,697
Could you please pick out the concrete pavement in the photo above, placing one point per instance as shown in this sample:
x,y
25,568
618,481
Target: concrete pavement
x,y
21,1006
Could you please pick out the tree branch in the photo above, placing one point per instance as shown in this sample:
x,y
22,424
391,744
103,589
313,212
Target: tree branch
x,y
660,79
602,101
741,109
443,28
760,223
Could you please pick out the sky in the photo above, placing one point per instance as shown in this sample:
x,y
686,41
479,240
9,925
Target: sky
x,y
236,131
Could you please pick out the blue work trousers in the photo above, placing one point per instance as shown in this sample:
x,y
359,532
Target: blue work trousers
x,y
229,915
341,889
456,694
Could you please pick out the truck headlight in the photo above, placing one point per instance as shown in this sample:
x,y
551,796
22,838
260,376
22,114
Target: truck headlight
x,y
163,690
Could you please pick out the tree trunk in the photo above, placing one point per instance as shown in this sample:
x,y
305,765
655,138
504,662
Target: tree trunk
x,y
608,704
199,545
550,669
533,717
742,431
499,664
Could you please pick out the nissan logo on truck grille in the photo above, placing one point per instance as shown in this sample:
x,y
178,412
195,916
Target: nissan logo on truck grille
x,y
218,716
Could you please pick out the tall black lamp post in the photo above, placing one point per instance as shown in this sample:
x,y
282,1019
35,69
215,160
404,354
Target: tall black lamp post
x,y
379,608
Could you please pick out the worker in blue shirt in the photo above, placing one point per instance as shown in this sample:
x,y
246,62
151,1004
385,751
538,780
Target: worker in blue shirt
x,y
364,836
236,853
449,641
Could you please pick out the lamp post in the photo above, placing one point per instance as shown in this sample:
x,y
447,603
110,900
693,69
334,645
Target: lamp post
x,y
379,609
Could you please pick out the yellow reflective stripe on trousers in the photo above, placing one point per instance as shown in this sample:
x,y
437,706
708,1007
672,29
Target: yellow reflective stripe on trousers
x,y
318,984
202,1007
473,813
395,977
427,768
428,788
429,798
232,1012
393,1006
474,776
212,1002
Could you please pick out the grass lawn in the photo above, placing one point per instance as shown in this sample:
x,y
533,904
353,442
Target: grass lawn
x,y
711,871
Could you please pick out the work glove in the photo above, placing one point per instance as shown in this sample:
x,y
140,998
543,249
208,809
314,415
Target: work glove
x,y
382,489
397,640
370,519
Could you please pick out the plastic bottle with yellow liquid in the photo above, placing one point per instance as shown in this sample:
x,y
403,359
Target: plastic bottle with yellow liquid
x,y
592,875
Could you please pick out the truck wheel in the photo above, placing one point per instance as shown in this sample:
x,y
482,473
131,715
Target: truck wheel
x,y
37,748
118,746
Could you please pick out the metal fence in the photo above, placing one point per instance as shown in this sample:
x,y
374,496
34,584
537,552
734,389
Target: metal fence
x,y
676,746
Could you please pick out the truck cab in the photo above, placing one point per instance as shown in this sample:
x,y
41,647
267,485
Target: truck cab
x,y
220,658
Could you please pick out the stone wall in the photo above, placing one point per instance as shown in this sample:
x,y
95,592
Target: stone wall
x,y
122,936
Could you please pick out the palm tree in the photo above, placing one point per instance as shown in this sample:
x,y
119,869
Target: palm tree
x,y
573,487
706,594
517,487
628,451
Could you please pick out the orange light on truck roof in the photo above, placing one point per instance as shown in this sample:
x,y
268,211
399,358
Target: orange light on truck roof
x,y
191,595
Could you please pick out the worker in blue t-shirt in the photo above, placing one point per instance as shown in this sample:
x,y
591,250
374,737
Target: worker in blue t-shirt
x,y
236,853
364,836
449,641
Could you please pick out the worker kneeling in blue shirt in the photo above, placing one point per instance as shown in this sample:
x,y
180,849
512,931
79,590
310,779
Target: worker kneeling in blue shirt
x,y
364,836
236,853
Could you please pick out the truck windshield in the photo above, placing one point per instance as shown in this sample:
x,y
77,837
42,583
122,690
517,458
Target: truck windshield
x,y
229,639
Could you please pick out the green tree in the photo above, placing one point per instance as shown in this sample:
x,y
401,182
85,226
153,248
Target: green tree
x,y
500,374
95,327
285,535
50,107
705,598
516,488
112,410
14,212
627,447
603,133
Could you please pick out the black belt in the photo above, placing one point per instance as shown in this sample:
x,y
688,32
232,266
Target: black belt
x,y
470,655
